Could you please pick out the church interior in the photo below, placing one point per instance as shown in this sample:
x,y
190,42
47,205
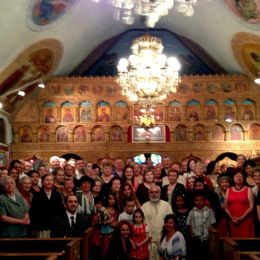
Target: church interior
x,y
72,47
112,113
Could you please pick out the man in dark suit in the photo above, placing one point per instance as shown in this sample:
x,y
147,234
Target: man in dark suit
x,y
70,224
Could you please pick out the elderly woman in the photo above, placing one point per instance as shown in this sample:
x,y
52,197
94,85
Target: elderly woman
x,y
14,217
25,185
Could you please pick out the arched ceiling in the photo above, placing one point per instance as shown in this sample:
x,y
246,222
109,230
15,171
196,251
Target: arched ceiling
x,y
70,38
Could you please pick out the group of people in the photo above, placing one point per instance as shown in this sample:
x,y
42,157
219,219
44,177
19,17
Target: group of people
x,y
137,211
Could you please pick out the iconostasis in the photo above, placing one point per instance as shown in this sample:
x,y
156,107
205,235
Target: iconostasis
x,y
207,116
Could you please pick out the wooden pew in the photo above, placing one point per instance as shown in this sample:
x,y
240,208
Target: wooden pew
x,y
40,248
254,256
240,248
38,256
215,244
87,243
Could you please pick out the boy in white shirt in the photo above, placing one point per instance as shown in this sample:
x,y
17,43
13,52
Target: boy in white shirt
x,y
127,214
200,218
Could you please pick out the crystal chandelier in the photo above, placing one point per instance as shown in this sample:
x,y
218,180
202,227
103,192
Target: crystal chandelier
x,y
125,10
148,76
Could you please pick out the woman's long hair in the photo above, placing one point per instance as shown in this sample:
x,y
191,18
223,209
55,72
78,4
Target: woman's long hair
x,y
168,217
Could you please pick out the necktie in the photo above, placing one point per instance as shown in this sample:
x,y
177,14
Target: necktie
x,y
72,222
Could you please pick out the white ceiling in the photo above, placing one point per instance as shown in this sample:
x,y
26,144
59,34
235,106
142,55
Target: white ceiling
x,y
87,24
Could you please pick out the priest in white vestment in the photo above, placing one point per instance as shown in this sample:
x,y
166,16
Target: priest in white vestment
x,y
155,211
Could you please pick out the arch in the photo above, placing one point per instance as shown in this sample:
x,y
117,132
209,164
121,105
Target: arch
x,y
236,132
67,112
229,110
2,131
103,112
44,135
49,112
254,132
121,111
141,158
211,109
62,134
199,133
175,113
180,133
69,156
26,135
85,111
116,134
218,133
79,134
97,134
248,109
8,134
193,110
230,155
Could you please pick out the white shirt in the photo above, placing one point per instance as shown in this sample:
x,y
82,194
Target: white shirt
x,y
71,215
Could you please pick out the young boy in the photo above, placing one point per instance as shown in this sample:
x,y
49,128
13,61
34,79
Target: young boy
x,y
200,218
127,214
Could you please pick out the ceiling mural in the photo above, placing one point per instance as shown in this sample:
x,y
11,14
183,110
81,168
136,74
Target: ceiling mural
x,y
246,10
246,49
43,13
194,60
35,63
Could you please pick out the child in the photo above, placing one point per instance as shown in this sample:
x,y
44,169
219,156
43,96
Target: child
x,y
200,218
109,221
140,237
129,208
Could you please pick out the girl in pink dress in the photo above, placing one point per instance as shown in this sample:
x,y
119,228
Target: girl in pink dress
x,y
140,237
239,207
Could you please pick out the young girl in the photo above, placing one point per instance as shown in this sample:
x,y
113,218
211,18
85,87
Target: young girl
x,y
140,236
109,221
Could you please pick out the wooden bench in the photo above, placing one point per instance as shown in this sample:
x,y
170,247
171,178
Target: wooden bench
x,y
87,243
240,248
40,248
254,256
215,244
21,256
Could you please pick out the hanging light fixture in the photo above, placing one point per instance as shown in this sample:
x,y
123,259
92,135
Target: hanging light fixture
x,y
125,10
148,76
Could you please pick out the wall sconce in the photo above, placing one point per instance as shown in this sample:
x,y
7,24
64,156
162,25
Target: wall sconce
x,y
257,79
21,93
41,84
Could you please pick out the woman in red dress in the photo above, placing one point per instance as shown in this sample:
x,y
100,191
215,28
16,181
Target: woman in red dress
x,y
239,207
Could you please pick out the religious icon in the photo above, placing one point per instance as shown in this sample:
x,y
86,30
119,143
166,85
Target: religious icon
x,y
103,114
236,132
44,134
211,113
67,115
62,134
218,133
26,135
199,133
97,134
116,134
175,113
80,134
49,116
181,133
